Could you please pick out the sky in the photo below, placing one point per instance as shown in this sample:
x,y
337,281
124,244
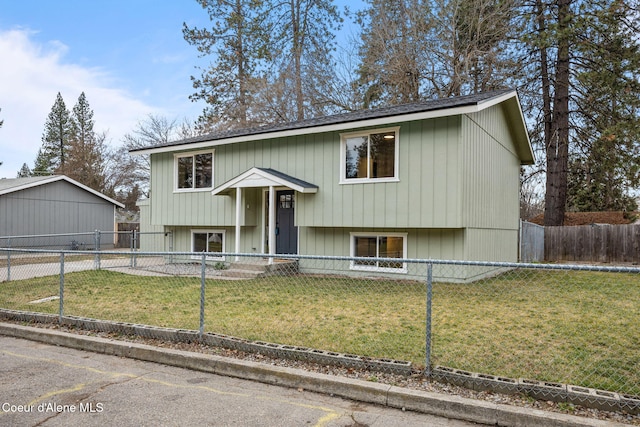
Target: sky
x,y
128,56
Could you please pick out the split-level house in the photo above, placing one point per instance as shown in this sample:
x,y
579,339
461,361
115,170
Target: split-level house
x,y
430,180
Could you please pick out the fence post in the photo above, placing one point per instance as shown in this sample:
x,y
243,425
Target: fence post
x,y
96,243
132,248
61,311
203,274
9,260
428,320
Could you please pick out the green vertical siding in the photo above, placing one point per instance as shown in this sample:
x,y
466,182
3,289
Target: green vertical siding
x,y
491,245
421,243
428,193
491,188
491,172
457,194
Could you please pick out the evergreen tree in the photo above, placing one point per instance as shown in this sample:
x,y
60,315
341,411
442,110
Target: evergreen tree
x,y
85,159
24,171
393,51
236,42
272,61
586,70
605,160
417,49
301,42
53,155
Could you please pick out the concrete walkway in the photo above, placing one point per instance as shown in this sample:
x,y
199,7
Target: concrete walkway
x,y
123,265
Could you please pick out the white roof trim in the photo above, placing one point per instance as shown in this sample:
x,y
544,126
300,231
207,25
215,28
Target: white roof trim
x,y
260,178
400,118
55,178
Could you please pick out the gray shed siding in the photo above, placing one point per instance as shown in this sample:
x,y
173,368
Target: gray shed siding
x,y
54,208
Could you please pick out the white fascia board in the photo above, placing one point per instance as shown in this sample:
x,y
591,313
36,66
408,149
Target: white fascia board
x,y
268,178
32,184
337,127
55,178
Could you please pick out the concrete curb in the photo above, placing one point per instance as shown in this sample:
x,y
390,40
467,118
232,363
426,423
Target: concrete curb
x,y
448,406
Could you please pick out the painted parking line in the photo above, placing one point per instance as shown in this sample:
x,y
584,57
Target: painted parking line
x,y
328,414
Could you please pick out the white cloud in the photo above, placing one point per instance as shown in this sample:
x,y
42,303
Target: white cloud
x,y
31,75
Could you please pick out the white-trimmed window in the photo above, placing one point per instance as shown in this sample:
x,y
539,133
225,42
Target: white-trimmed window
x,y
369,156
194,171
208,241
382,245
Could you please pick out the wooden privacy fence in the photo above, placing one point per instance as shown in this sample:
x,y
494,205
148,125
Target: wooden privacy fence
x,y
593,243
531,242
124,238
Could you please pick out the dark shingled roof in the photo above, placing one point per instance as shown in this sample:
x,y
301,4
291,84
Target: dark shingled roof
x,y
356,116
289,178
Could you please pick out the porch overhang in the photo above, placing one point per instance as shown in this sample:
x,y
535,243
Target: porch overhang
x,y
264,177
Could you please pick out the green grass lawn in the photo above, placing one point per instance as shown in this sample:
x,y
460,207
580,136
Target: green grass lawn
x,y
571,327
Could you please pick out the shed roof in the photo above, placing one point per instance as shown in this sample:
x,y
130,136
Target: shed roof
x,y
18,184
372,117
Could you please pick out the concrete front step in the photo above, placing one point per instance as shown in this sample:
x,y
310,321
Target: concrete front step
x,y
261,268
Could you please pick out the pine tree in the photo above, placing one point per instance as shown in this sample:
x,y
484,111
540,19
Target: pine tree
x,y
301,42
391,58
235,40
53,154
85,159
585,78
417,49
605,160
272,61
24,171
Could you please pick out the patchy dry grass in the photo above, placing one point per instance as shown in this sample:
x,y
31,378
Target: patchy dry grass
x,y
570,327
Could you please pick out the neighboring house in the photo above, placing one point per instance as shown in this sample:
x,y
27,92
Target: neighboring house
x,y
436,179
53,205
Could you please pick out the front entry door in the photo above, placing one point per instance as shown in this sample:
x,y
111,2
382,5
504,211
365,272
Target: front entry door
x,y
286,231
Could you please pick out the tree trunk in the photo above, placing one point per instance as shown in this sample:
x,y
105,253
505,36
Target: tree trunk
x,y
297,57
558,146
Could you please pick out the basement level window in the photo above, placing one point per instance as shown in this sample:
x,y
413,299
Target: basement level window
x,y
208,241
387,245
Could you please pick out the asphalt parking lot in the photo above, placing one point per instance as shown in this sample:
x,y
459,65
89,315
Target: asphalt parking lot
x,y
45,385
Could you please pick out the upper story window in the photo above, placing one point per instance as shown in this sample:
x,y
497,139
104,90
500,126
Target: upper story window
x,y
194,171
369,156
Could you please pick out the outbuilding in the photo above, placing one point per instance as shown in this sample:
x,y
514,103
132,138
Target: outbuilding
x,y
52,205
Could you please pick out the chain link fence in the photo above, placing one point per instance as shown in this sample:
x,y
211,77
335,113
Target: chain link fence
x,y
97,240
551,331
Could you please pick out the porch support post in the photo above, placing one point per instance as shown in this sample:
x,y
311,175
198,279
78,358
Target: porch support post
x,y
238,215
272,222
